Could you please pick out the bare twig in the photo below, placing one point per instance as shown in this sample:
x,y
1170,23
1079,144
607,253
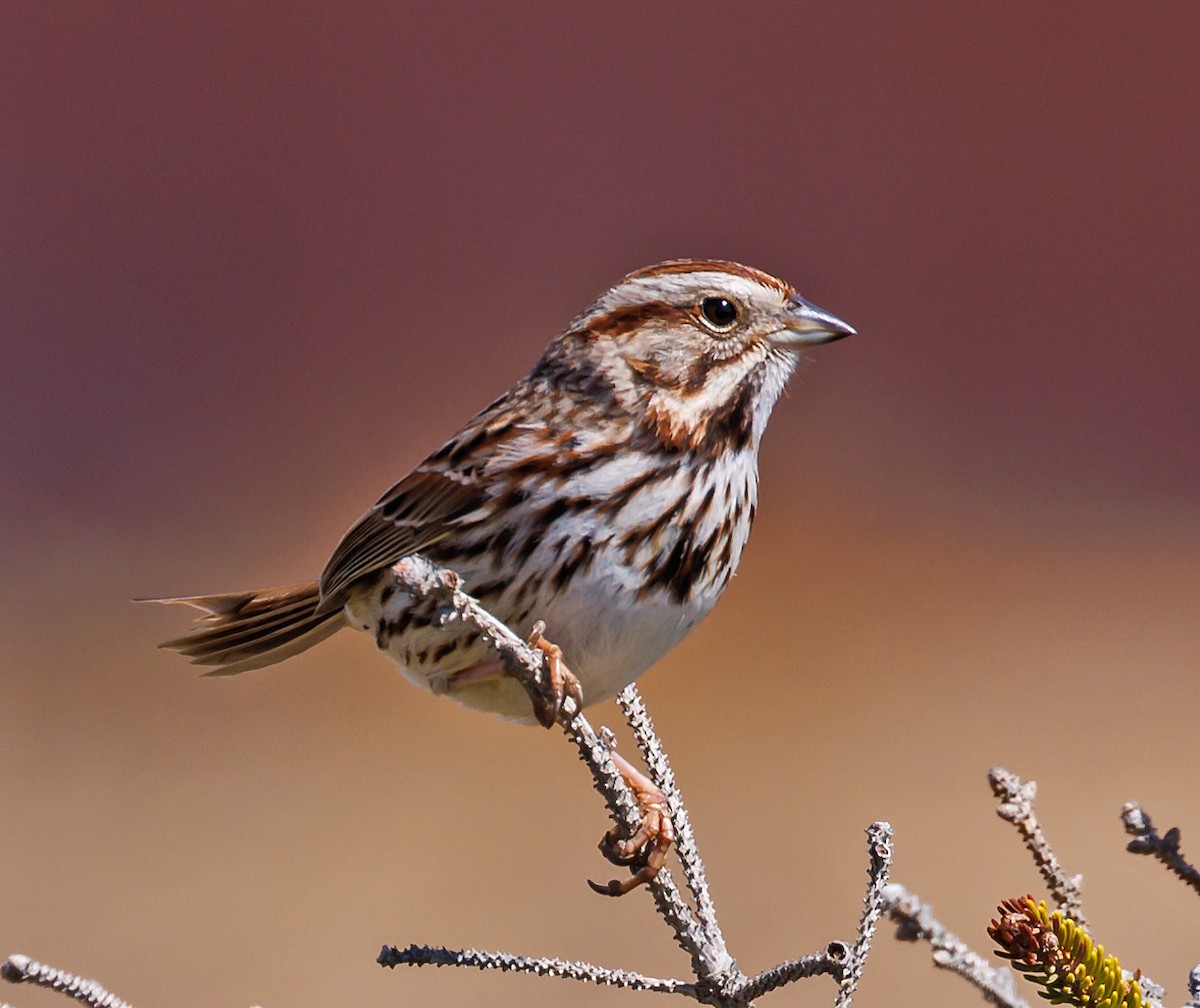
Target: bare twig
x,y
1016,806
21,969
1165,848
879,847
686,849
915,920
831,962
706,961
417,955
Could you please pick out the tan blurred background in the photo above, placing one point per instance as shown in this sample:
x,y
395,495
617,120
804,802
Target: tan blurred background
x,y
257,261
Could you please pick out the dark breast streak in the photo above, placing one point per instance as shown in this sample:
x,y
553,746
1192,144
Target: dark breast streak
x,y
545,540
711,524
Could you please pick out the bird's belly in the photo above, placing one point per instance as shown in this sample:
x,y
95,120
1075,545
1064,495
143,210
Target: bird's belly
x,y
610,634
608,631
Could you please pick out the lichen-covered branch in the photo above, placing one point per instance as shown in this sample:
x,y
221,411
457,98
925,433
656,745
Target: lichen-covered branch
x,y
419,955
686,850
915,921
21,969
831,962
879,847
1016,806
1146,840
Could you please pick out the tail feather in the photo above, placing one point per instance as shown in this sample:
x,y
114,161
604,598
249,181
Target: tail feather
x,y
221,632
248,630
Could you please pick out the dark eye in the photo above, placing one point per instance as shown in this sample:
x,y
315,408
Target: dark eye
x,y
720,313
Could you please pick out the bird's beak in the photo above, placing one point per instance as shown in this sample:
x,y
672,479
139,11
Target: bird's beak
x,y
807,325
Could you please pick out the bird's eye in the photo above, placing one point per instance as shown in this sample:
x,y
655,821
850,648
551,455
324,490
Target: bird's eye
x,y
719,313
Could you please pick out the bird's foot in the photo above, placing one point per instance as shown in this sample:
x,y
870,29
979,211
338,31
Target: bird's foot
x,y
547,696
558,684
646,851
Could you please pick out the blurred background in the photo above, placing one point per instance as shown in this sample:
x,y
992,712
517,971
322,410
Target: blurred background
x,y
258,261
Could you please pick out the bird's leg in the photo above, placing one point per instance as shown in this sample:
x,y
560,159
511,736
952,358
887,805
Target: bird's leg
x,y
546,697
646,850
559,683
483,672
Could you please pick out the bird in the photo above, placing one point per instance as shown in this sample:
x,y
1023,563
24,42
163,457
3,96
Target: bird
x,y
609,493
603,501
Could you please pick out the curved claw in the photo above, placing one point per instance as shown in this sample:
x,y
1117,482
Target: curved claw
x,y
545,709
609,889
642,876
647,849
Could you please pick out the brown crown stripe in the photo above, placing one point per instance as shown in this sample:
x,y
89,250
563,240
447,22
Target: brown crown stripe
x,y
711,265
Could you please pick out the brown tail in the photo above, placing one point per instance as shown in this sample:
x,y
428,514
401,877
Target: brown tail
x,y
247,630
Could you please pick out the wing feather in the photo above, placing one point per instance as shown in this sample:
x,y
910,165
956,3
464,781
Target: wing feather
x,y
415,513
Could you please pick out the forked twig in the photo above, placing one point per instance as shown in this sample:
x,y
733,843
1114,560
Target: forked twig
x,y
418,576
718,980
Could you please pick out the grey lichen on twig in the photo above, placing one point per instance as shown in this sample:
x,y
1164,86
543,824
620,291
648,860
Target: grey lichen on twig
x,y
879,848
709,961
1193,988
1016,806
686,850
831,962
419,955
915,921
1146,840
21,969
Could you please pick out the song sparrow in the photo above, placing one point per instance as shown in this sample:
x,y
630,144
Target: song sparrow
x,y
608,493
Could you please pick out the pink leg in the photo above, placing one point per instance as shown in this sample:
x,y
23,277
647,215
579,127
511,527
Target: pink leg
x,y
647,849
561,682
483,672
547,702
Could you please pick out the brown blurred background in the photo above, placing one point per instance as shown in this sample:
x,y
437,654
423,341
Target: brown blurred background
x,y
257,261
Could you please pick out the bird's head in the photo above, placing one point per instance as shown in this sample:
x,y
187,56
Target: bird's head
x,y
698,351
